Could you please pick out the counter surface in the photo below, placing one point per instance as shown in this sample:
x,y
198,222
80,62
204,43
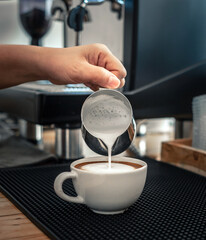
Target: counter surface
x,y
15,225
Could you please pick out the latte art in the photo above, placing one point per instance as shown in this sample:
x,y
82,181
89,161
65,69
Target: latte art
x,y
102,167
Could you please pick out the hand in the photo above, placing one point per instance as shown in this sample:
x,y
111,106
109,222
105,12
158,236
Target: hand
x,y
94,65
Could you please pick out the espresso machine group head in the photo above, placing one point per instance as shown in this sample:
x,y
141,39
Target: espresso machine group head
x,y
80,14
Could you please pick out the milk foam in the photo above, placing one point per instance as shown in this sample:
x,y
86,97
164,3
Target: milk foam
x,y
107,118
103,168
107,115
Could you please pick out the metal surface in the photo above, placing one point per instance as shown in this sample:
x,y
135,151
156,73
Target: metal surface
x,y
78,39
95,143
92,2
179,129
120,145
60,9
31,132
68,143
44,104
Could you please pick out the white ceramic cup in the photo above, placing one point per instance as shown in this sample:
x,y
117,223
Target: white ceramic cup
x,y
105,193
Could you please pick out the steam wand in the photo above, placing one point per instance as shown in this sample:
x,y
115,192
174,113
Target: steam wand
x,y
80,14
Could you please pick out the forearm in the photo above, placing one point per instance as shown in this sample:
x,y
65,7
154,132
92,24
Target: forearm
x,y
94,65
19,64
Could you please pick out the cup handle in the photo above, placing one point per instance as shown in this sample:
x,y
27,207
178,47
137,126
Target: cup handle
x,y
58,187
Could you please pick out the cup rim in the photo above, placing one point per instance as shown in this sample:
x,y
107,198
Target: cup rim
x,y
103,158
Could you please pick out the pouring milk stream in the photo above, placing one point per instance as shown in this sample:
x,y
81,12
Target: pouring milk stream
x,y
107,116
108,127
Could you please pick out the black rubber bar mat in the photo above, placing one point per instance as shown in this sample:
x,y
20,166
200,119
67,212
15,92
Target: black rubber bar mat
x,y
172,205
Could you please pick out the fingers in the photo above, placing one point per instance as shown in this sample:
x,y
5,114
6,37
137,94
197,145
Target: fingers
x,y
108,61
101,77
93,87
122,82
93,65
114,72
96,88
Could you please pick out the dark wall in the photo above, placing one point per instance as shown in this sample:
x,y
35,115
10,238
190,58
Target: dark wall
x,y
165,56
162,37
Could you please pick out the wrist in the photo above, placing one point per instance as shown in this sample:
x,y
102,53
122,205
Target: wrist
x,y
37,64
44,63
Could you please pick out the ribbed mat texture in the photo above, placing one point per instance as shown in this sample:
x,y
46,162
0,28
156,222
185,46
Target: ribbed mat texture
x,y
172,205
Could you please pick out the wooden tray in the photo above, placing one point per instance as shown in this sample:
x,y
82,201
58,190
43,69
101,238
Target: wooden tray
x,y
181,151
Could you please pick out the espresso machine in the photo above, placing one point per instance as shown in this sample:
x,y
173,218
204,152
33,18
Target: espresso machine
x,y
41,103
162,76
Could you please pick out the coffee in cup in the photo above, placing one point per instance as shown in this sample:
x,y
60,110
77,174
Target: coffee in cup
x,y
102,166
104,190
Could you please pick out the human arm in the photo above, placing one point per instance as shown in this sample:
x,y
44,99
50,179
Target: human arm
x,y
94,65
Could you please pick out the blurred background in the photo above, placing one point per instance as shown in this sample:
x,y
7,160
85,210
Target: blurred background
x,y
161,43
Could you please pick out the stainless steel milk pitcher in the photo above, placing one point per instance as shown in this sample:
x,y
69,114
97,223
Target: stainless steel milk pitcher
x,y
99,100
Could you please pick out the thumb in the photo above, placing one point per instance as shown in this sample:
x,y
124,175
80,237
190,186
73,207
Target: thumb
x,y
101,77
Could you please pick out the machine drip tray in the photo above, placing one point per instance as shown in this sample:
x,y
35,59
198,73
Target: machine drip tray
x,y
172,205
